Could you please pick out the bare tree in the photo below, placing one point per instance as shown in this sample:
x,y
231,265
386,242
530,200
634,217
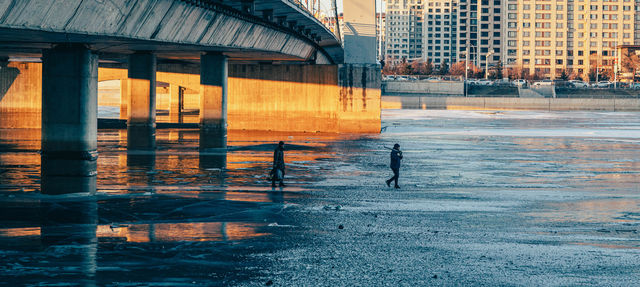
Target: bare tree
x,y
403,67
631,64
457,69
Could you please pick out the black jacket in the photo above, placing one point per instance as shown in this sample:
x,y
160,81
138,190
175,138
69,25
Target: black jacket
x,y
278,158
396,156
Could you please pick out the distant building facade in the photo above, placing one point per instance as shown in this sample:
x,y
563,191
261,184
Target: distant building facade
x,y
404,30
381,22
440,31
479,25
569,35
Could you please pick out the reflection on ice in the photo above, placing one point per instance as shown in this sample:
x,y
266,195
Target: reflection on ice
x,y
593,211
172,232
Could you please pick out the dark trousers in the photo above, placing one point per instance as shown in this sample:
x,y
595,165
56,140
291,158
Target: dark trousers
x,y
277,177
396,175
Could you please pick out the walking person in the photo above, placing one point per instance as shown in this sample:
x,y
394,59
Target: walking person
x,y
396,157
278,165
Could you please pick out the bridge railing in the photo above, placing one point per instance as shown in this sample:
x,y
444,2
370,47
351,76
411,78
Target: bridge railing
x,y
303,5
219,7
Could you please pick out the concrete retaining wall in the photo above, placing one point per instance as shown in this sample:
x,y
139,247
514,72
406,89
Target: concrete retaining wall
x,y
492,91
422,87
563,92
491,103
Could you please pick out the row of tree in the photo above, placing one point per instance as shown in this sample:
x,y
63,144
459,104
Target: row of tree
x,y
426,68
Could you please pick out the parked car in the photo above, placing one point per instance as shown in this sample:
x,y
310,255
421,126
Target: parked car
x,y
543,83
634,85
562,83
485,83
604,84
578,84
519,82
402,78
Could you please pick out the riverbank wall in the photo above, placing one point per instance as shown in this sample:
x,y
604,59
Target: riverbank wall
x,y
512,103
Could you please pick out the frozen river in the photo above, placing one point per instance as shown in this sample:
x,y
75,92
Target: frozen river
x,y
487,198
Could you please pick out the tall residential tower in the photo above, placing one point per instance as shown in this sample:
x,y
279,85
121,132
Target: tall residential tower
x,y
571,35
440,31
404,30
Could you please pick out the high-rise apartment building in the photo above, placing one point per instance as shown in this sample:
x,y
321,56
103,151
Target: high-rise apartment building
x,y
380,27
440,31
480,31
510,30
576,36
404,30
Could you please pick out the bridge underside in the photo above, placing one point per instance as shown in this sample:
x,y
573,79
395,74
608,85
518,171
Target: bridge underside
x,y
27,45
174,29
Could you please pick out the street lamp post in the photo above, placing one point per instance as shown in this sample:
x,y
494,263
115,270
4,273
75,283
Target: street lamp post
x,y
466,70
615,67
466,64
486,66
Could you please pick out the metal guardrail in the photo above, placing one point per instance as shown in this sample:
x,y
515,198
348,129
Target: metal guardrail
x,y
228,10
301,6
306,9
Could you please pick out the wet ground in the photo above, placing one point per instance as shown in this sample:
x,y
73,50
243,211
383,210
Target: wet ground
x,y
487,198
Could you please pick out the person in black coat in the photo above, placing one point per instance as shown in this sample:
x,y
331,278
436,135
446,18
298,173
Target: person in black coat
x,y
278,165
396,157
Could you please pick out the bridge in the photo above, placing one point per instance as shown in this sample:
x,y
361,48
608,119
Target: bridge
x,y
252,62
242,30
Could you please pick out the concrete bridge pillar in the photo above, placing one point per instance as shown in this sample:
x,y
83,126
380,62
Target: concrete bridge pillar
x,y
176,103
360,31
69,119
141,91
359,78
124,99
213,100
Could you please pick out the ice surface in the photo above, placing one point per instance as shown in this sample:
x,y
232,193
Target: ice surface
x,y
488,198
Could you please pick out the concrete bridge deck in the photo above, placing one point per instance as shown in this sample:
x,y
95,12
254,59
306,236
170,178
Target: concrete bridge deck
x,y
174,29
